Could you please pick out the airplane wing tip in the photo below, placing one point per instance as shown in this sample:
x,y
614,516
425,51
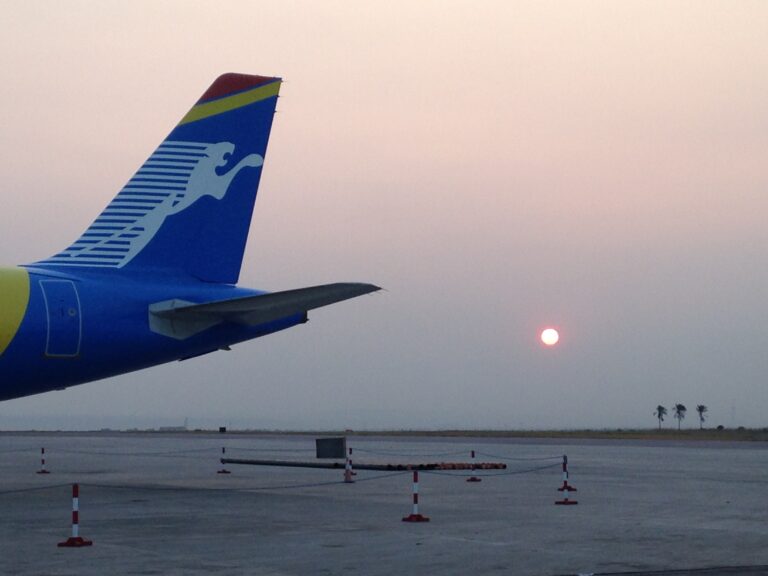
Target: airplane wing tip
x,y
361,288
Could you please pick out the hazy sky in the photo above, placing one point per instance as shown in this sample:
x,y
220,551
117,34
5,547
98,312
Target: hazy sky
x,y
497,166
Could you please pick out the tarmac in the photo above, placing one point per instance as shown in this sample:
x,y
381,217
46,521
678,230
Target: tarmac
x,y
154,504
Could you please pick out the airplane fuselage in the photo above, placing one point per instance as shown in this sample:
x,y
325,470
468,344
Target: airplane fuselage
x,y
61,329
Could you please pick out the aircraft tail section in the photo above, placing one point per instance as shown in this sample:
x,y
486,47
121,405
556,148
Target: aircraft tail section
x,y
179,319
188,208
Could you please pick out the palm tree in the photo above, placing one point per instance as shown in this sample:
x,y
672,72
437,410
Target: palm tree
x,y
680,410
701,409
660,413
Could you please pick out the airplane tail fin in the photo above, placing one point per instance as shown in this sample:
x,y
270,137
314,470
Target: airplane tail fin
x,y
188,208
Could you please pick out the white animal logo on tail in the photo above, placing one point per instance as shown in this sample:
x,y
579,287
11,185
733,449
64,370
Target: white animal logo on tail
x,y
176,176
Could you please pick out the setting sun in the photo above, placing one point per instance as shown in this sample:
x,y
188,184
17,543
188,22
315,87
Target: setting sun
x,y
550,336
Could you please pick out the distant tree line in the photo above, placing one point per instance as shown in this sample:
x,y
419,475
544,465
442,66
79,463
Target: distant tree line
x,y
679,411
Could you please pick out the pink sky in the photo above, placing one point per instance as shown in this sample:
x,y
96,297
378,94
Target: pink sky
x,y
497,166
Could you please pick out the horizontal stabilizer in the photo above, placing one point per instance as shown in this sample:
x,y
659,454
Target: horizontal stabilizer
x,y
181,319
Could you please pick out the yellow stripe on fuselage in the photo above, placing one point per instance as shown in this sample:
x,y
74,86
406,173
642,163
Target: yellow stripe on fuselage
x,y
14,298
230,103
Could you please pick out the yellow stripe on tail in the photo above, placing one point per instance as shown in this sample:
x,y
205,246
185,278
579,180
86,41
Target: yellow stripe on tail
x,y
208,109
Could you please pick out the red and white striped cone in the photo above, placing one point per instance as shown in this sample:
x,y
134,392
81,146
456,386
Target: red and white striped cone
x,y
566,488
414,516
223,468
75,541
473,478
348,471
42,463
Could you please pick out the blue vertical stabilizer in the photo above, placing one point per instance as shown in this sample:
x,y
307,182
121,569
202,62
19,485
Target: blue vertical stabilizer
x,y
188,208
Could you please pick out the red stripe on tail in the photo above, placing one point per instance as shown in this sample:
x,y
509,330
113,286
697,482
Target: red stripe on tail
x,y
231,83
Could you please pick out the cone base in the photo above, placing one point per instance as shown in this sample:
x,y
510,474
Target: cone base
x,y
75,542
566,502
415,518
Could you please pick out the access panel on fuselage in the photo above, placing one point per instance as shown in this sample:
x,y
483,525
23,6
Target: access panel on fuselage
x,y
62,306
